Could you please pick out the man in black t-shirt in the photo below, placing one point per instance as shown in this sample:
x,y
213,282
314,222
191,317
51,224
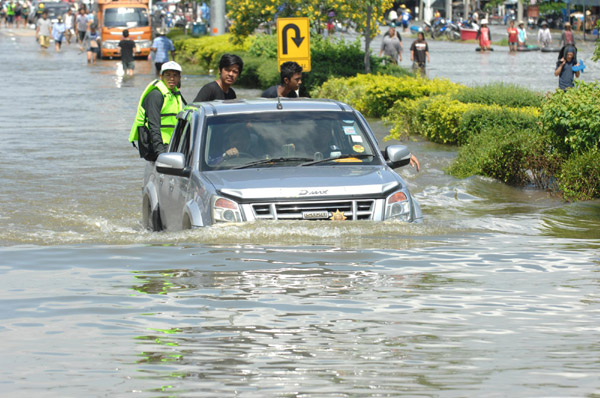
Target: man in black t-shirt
x,y
291,79
230,68
127,47
419,53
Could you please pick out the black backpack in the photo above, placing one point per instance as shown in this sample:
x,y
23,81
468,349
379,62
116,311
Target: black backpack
x,y
144,145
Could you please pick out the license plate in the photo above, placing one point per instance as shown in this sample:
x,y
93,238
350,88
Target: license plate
x,y
315,215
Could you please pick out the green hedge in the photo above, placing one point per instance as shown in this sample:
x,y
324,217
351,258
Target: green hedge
x,y
501,94
206,51
259,72
375,95
445,120
573,117
579,178
483,117
513,155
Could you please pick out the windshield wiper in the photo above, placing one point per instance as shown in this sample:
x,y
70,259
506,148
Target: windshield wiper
x,y
347,156
272,161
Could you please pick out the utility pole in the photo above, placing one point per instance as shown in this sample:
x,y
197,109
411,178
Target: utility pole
x,y
217,17
368,39
427,13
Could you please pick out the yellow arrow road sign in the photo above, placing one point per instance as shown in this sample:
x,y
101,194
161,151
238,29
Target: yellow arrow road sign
x,y
293,41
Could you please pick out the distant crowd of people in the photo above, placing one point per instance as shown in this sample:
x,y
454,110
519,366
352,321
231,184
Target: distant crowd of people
x,y
77,24
391,49
15,14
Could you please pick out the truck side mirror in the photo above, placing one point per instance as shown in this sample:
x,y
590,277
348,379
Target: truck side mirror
x,y
397,156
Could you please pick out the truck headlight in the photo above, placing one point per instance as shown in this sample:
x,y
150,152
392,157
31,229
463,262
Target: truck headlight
x,y
225,210
397,206
143,43
110,44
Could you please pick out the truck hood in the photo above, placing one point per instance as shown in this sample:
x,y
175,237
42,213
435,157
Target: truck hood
x,y
304,182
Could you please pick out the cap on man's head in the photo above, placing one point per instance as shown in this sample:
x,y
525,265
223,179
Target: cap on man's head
x,y
171,65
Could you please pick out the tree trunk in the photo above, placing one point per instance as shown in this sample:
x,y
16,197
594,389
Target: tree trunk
x,y
368,40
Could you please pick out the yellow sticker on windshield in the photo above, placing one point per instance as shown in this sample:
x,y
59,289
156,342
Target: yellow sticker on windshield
x,y
358,148
348,160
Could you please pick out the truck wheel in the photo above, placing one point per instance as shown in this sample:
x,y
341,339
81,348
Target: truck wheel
x,y
150,218
187,224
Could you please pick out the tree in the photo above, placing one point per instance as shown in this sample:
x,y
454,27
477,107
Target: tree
x,y
365,15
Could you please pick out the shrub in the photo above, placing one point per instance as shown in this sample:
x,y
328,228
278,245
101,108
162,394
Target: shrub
x,y
502,94
579,178
514,156
333,58
374,95
390,69
264,46
258,72
573,117
442,117
206,51
406,117
483,117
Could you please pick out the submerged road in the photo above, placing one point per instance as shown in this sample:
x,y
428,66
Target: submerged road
x,y
459,62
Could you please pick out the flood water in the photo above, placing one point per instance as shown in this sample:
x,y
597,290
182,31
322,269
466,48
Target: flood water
x,y
496,294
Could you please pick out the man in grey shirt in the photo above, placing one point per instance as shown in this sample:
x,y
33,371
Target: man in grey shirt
x,y
391,45
81,23
43,30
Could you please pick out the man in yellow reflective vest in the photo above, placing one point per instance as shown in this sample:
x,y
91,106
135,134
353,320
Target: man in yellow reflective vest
x,y
157,112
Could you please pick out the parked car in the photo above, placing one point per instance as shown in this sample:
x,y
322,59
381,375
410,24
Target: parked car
x,y
54,10
287,159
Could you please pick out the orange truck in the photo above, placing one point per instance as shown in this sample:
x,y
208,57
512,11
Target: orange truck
x,y
114,16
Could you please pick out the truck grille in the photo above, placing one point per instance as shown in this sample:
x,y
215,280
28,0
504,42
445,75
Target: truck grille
x,y
352,209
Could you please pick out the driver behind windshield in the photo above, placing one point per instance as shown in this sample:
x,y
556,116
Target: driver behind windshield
x,y
315,143
238,143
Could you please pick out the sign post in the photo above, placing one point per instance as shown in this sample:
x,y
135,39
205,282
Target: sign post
x,y
293,41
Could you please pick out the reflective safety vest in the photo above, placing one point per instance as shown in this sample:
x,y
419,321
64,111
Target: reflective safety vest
x,y
10,9
172,105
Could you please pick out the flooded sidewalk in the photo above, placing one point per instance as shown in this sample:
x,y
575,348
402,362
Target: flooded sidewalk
x,y
461,63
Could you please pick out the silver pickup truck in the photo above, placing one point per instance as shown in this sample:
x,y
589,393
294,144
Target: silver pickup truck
x,y
288,159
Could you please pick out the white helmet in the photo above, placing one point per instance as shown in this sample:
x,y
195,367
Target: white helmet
x,y
171,65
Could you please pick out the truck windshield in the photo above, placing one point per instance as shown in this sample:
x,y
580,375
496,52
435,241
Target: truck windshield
x,y
125,17
286,139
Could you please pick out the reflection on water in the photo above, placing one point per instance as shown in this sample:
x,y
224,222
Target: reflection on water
x,y
315,320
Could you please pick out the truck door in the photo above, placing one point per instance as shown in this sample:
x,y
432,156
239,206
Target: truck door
x,y
173,191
